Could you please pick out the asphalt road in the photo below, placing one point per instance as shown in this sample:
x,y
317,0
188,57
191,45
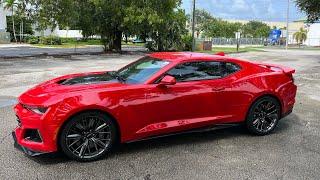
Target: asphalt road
x,y
291,152
27,50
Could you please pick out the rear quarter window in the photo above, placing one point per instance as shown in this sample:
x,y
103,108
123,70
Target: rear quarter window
x,y
231,68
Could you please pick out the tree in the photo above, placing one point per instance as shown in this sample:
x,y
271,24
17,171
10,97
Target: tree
x,y
213,27
311,8
51,14
10,5
84,18
300,36
221,28
201,18
22,12
18,21
162,21
256,29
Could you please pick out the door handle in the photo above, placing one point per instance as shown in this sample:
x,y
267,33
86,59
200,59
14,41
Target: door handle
x,y
218,88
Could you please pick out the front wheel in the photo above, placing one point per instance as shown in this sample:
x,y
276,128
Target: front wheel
x,y
88,136
263,116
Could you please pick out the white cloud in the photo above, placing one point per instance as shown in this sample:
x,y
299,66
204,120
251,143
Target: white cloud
x,y
271,11
255,10
239,5
268,10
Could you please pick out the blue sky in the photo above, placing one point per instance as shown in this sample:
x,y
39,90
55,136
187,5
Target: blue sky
x,y
264,10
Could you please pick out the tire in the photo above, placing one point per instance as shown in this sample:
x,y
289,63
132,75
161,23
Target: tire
x,y
263,116
88,136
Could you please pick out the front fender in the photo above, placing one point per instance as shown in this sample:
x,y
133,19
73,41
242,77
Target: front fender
x,y
71,106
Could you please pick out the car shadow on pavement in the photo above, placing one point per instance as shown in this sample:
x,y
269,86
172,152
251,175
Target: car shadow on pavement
x,y
168,142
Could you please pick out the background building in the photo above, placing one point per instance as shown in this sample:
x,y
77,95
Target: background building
x,y
4,36
3,20
313,36
60,33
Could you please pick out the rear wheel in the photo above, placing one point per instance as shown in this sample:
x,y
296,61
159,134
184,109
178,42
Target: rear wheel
x,y
88,136
263,116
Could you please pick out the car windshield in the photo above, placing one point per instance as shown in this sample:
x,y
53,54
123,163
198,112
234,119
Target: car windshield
x,y
141,70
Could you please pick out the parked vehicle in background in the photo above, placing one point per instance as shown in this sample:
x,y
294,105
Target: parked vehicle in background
x,y
137,41
274,37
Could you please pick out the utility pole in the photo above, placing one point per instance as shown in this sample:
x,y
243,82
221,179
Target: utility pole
x,y
287,38
193,24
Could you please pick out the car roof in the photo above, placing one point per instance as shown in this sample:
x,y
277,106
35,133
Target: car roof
x,y
185,56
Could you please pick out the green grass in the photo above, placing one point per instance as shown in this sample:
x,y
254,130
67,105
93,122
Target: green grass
x,y
70,44
132,44
229,50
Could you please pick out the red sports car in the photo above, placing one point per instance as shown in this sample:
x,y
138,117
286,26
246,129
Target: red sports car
x,y
84,115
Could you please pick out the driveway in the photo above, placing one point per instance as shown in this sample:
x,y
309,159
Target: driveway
x,y
291,152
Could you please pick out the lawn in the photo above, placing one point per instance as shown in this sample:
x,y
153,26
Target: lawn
x,y
71,44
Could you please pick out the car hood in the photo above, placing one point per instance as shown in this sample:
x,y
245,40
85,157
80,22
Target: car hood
x,y
68,85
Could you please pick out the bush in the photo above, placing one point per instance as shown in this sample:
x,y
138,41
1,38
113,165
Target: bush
x,y
68,40
187,43
32,39
151,45
51,40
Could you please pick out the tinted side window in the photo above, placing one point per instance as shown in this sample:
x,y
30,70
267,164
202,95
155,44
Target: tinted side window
x,y
193,71
230,68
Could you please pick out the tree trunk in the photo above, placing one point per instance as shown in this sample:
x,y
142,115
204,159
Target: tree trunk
x,y
105,47
13,28
19,35
160,44
106,43
22,29
117,41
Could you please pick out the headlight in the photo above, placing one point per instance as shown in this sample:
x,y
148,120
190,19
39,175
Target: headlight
x,y
37,110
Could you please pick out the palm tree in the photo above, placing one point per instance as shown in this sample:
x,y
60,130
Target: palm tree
x,y
9,4
300,36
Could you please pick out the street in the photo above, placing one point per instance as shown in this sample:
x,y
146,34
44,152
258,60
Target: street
x,y
25,50
291,152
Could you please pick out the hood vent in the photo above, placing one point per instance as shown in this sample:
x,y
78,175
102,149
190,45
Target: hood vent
x,y
87,79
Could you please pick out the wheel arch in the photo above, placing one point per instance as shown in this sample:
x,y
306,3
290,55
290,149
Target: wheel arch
x,y
262,96
114,120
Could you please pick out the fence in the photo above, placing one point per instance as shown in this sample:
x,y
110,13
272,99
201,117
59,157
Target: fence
x,y
4,37
233,41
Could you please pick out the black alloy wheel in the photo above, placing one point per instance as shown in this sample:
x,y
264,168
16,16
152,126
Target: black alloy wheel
x,y
263,116
88,136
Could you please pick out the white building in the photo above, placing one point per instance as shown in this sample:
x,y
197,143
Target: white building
x,y
60,33
313,36
4,36
3,19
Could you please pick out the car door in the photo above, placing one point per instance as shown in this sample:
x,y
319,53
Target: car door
x,y
224,93
190,103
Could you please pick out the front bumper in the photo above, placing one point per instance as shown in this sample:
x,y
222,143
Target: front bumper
x,y
24,149
29,121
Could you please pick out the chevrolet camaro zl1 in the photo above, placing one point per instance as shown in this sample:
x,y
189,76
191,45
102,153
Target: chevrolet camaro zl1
x,y
84,115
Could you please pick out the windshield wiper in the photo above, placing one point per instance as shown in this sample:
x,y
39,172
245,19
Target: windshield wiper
x,y
118,77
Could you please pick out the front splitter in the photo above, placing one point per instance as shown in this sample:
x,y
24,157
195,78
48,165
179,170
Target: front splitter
x,y
24,149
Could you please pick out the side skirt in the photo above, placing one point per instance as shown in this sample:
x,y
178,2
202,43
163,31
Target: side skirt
x,y
204,129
